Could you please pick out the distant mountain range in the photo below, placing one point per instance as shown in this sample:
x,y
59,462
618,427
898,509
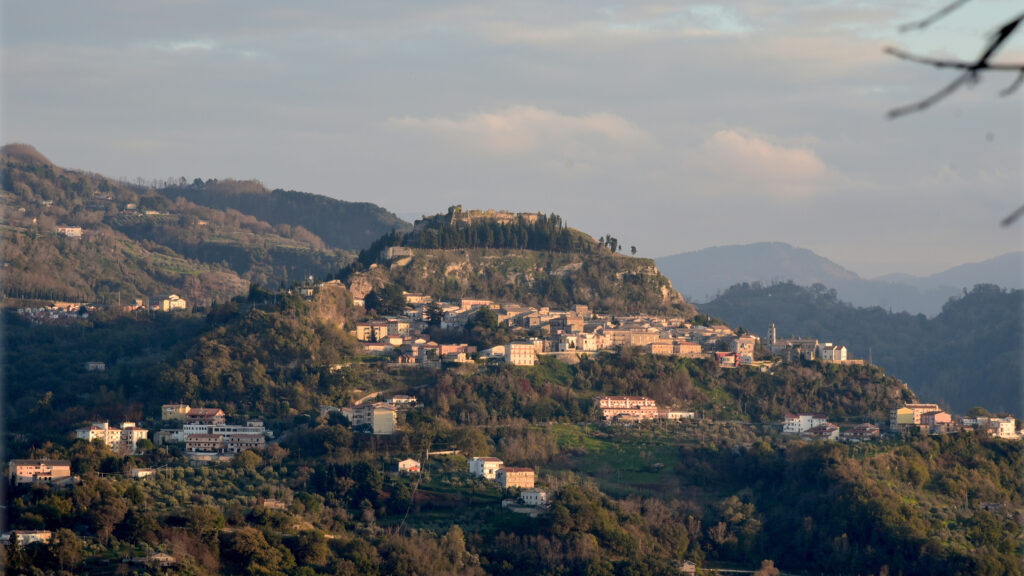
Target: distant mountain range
x,y
703,274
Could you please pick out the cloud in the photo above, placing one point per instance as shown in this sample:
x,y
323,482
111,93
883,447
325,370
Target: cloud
x,y
737,162
189,46
587,32
526,129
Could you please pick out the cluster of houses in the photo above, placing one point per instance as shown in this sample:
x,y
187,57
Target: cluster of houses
x,y
491,468
380,418
206,433
930,419
791,349
65,313
817,427
565,334
58,313
927,418
636,409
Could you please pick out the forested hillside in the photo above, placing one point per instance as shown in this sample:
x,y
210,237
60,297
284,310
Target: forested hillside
x,y
77,236
445,232
723,490
340,224
968,355
539,262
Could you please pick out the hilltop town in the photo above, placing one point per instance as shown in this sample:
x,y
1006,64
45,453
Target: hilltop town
x,y
486,392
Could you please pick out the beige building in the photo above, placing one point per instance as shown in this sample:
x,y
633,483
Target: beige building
x,y
910,414
381,417
174,412
45,471
744,345
121,440
636,407
26,537
205,416
520,354
204,443
235,443
661,347
515,477
168,303
374,331
937,417
685,348
409,466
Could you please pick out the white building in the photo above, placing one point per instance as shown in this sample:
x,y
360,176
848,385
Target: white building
x,y
535,497
829,352
670,414
1005,428
485,466
251,427
797,423
409,466
121,440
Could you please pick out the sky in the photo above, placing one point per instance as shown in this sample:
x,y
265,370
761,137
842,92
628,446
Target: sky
x,y
672,126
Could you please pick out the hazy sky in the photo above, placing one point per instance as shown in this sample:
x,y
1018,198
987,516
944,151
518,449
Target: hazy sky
x,y
672,126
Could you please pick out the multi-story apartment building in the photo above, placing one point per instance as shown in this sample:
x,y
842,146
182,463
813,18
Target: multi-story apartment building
x,y
910,415
381,417
485,467
121,440
520,354
45,471
638,407
535,497
798,423
515,477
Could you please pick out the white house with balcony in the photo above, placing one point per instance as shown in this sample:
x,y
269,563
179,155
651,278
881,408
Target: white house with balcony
x,y
799,423
485,467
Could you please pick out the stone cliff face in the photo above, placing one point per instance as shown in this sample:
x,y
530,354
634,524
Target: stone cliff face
x,y
607,282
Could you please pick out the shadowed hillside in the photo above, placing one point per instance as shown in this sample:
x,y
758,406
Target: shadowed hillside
x,y
344,225
968,355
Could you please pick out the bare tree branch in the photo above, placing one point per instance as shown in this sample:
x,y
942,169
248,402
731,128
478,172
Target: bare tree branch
x,y
943,63
1013,217
967,76
971,70
934,17
1016,84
